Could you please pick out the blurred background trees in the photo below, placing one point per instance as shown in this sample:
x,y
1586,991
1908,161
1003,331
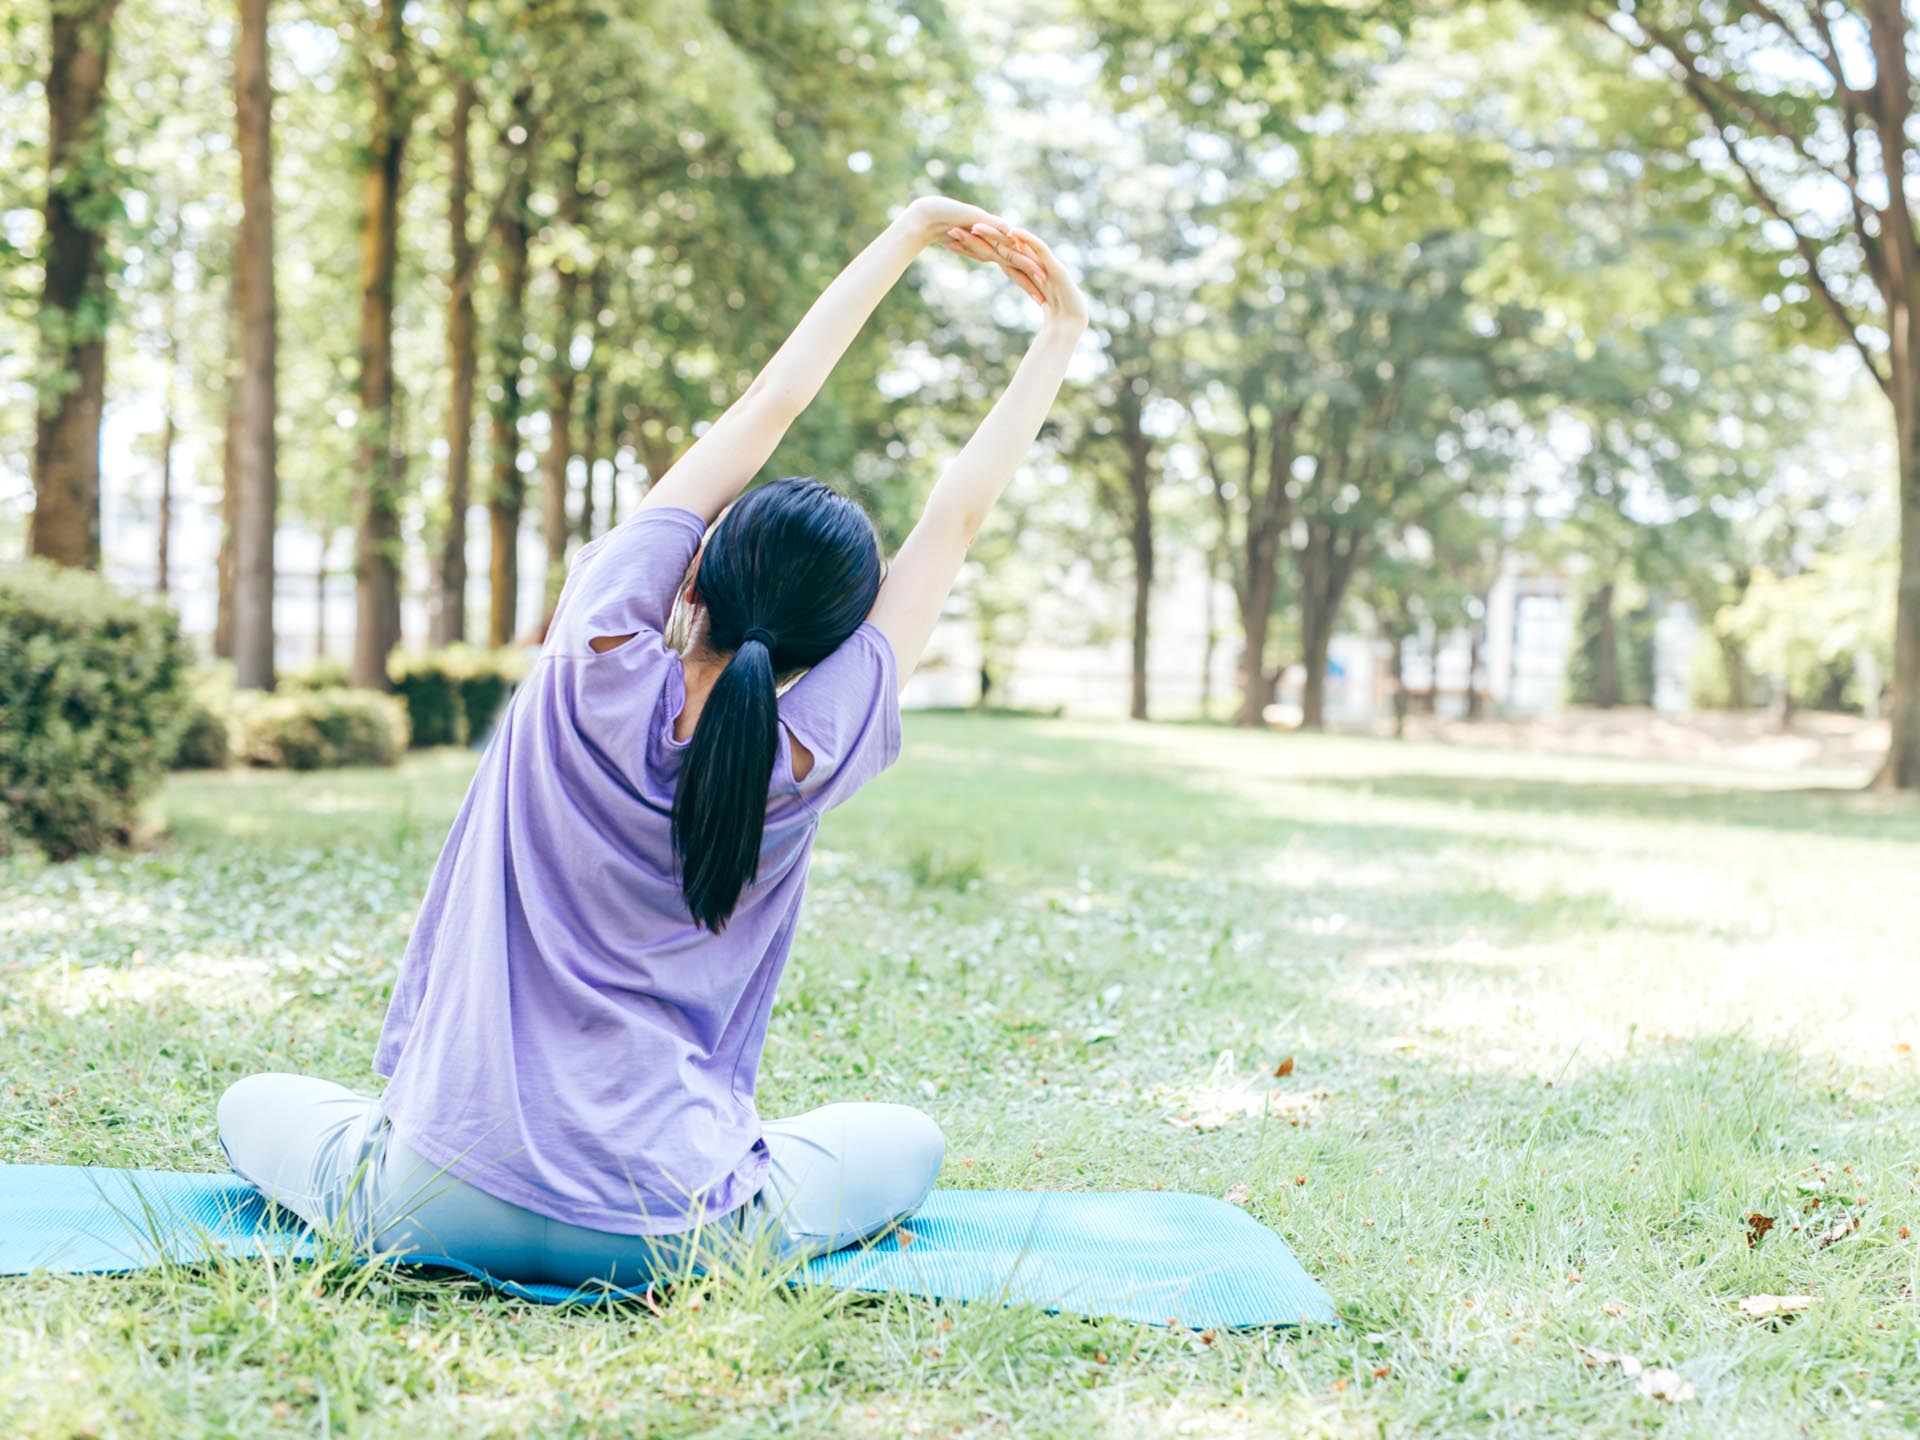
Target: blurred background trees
x,y
1400,310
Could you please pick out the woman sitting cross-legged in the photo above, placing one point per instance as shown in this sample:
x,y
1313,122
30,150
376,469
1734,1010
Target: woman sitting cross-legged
x,y
575,1034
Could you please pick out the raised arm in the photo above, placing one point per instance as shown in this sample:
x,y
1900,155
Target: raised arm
x,y
717,467
915,590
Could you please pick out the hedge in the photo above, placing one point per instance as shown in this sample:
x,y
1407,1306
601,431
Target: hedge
x,y
93,697
206,741
316,675
453,694
320,729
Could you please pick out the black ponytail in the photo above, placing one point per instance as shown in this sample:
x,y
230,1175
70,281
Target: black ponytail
x,y
720,804
790,572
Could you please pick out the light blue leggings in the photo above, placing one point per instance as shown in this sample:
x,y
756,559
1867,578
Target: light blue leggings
x,y
840,1174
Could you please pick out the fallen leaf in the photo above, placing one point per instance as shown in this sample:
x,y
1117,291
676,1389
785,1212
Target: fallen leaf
x,y
1757,1226
1381,1372
1283,1069
1906,1232
1668,1385
1759,1305
1238,1194
906,1238
1839,1230
1656,1384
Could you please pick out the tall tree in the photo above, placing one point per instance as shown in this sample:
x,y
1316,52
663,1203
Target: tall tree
x,y
562,372
1250,473
1812,106
81,198
255,403
506,490
381,454
463,357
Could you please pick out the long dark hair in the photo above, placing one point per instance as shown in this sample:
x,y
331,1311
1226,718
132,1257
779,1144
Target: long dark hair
x,y
791,571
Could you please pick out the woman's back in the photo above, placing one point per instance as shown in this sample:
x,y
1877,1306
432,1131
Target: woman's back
x,y
563,1034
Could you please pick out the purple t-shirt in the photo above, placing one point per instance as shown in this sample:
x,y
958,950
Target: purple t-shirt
x,y
562,1035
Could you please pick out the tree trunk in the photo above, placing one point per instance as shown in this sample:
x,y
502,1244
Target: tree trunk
x,y
229,511
1256,617
1139,461
596,414
620,440
169,437
507,491
73,303
1733,661
1316,635
376,591
1902,770
320,607
559,458
463,360
1476,639
590,426
1211,641
1325,567
1606,663
253,297
1397,667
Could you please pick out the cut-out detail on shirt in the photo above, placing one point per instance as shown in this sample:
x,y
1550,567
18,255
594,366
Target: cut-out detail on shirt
x,y
800,756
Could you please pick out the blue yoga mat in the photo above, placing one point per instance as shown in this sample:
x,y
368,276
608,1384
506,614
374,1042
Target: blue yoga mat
x,y
1158,1258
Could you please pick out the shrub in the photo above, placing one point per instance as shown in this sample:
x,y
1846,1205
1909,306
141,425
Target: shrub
x,y
430,689
485,679
206,740
320,729
454,693
322,674
92,699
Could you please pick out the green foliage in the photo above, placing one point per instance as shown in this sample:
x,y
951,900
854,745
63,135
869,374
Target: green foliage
x,y
92,697
431,693
322,674
320,729
1809,629
1633,658
454,694
206,735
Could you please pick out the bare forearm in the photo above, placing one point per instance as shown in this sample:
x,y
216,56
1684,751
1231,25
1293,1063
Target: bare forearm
x,y
720,463
970,485
798,369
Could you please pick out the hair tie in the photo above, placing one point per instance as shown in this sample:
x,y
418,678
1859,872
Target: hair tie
x,y
757,632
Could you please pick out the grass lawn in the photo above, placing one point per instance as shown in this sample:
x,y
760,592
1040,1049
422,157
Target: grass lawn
x,y
1558,1028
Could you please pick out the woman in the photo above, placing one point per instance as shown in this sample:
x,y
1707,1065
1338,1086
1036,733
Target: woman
x,y
575,1034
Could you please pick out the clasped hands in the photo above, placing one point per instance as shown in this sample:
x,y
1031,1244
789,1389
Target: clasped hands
x,y
977,234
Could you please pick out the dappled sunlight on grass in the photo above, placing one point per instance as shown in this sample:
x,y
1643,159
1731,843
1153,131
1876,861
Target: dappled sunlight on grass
x,y
1552,1032
253,983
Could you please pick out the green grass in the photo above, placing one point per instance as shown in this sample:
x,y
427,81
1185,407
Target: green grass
x,y
1558,1027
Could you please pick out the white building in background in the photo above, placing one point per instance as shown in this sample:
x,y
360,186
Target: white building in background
x,y
307,608
1522,667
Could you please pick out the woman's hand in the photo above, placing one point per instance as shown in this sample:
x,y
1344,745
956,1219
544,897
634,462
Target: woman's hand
x,y
937,219
1024,255
933,215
